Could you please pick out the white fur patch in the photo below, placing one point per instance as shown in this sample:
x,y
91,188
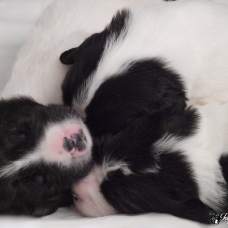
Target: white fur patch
x,y
90,201
111,166
45,152
155,169
166,143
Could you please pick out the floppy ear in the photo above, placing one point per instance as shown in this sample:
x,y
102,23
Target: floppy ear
x,y
67,57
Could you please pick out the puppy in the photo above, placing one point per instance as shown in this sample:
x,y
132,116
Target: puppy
x,y
43,150
136,81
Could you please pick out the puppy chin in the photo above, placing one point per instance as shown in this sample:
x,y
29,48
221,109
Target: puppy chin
x,y
90,209
88,199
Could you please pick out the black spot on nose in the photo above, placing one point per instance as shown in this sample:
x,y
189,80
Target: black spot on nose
x,y
76,141
79,141
68,144
78,137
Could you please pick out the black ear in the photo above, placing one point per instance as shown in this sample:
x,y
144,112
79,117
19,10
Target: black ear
x,y
180,203
67,57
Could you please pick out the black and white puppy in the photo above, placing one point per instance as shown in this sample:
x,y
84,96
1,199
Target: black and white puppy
x,y
136,82
43,150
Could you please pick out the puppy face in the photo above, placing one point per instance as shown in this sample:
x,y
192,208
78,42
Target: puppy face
x,y
43,149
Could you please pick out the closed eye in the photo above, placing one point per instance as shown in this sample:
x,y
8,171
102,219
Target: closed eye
x,y
18,134
20,130
39,180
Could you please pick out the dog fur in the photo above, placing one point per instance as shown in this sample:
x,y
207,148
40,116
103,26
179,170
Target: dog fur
x,y
32,180
154,93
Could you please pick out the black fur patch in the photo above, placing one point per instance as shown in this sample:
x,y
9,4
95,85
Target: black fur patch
x,y
224,165
147,87
170,188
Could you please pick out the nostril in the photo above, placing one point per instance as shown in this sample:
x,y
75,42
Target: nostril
x,y
82,136
68,144
75,141
80,145
77,137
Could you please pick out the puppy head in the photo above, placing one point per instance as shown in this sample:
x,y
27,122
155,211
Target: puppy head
x,y
131,175
43,149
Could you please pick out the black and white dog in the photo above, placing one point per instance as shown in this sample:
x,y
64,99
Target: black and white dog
x,y
153,88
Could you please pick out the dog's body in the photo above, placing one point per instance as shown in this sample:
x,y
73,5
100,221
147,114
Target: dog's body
x,y
145,152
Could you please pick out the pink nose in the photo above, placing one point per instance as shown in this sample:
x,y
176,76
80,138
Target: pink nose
x,y
74,141
67,141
